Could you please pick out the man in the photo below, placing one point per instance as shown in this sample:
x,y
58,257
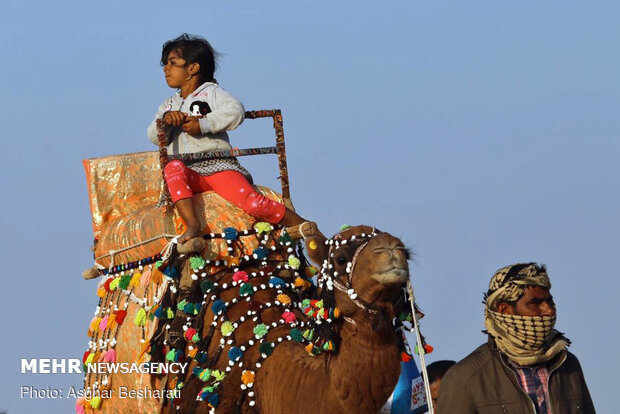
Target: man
x,y
435,372
524,367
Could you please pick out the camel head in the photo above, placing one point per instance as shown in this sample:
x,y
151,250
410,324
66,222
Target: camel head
x,y
366,269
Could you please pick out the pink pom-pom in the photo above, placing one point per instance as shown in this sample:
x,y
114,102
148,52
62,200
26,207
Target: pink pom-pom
x,y
103,324
240,276
289,317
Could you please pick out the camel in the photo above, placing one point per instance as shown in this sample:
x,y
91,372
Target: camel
x,y
256,334
363,278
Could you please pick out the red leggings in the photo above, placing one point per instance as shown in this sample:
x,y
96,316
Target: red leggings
x,y
231,185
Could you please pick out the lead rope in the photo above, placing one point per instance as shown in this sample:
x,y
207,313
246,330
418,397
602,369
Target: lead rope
x,y
421,351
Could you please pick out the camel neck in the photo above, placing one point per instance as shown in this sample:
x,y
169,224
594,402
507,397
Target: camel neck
x,y
367,363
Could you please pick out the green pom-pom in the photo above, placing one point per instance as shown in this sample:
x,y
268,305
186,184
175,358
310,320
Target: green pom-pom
x,y
308,334
266,348
158,264
227,328
260,330
196,338
169,313
181,305
344,227
285,238
294,262
196,262
206,286
319,304
263,227
296,335
246,289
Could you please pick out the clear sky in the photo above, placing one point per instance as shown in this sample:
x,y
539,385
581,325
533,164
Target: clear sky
x,y
482,132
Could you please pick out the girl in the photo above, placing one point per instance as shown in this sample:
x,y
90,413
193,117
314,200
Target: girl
x,y
196,119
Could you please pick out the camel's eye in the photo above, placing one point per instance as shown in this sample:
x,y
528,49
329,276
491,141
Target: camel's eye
x,y
341,260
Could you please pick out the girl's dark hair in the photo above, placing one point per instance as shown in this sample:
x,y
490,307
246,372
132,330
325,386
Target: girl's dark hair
x,y
194,49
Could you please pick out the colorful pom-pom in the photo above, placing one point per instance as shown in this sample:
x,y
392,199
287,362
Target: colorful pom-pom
x,y
289,317
260,330
277,282
231,233
227,328
247,377
246,289
95,403
240,276
235,353
284,299
260,253
196,262
294,262
218,306
263,227
120,316
218,375
266,348
206,286
296,335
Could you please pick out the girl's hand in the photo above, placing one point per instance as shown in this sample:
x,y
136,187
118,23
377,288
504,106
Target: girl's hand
x,y
192,125
174,118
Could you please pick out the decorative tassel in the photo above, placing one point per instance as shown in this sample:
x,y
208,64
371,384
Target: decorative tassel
x,y
120,316
196,262
111,322
145,278
140,319
94,326
103,324
135,280
95,403
79,405
110,356
156,277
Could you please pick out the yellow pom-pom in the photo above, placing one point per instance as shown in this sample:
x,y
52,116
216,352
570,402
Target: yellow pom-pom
x,y
294,262
135,280
284,299
336,313
101,292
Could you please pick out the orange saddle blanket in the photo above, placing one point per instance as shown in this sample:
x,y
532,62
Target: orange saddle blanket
x,y
124,190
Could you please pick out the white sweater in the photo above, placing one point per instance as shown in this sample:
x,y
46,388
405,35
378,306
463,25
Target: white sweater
x,y
227,113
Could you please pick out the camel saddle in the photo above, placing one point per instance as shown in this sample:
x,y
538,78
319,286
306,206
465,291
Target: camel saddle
x,y
128,225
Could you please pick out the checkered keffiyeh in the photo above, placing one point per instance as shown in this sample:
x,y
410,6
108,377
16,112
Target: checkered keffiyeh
x,y
526,340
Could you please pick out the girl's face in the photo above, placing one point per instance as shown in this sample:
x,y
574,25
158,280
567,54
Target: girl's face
x,y
176,70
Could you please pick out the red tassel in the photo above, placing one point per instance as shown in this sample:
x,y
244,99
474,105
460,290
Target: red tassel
x,y
86,354
190,333
405,357
120,316
428,349
106,284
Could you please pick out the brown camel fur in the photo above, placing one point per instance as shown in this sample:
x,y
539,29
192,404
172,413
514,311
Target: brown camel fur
x,y
357,378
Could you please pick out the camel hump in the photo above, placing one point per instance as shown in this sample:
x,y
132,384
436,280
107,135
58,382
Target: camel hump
x,y
124,192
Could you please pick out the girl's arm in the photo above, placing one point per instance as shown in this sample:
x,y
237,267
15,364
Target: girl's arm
x,y
151,131
227,113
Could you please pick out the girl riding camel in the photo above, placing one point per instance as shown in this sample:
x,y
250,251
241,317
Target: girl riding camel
x,y
196,119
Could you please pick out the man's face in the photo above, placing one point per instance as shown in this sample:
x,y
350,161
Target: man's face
x,y
535,301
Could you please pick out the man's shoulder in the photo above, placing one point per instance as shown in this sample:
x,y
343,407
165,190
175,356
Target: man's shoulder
x,y
472,364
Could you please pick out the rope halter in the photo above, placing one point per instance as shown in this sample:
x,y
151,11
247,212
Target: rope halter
x,y
329,277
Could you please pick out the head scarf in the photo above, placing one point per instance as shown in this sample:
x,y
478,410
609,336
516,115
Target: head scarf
x,y
525,340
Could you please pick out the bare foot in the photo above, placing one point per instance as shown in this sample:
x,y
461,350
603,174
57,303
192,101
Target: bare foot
x,y
190,233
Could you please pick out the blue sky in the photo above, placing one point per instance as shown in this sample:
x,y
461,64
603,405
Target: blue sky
x,y
483,133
